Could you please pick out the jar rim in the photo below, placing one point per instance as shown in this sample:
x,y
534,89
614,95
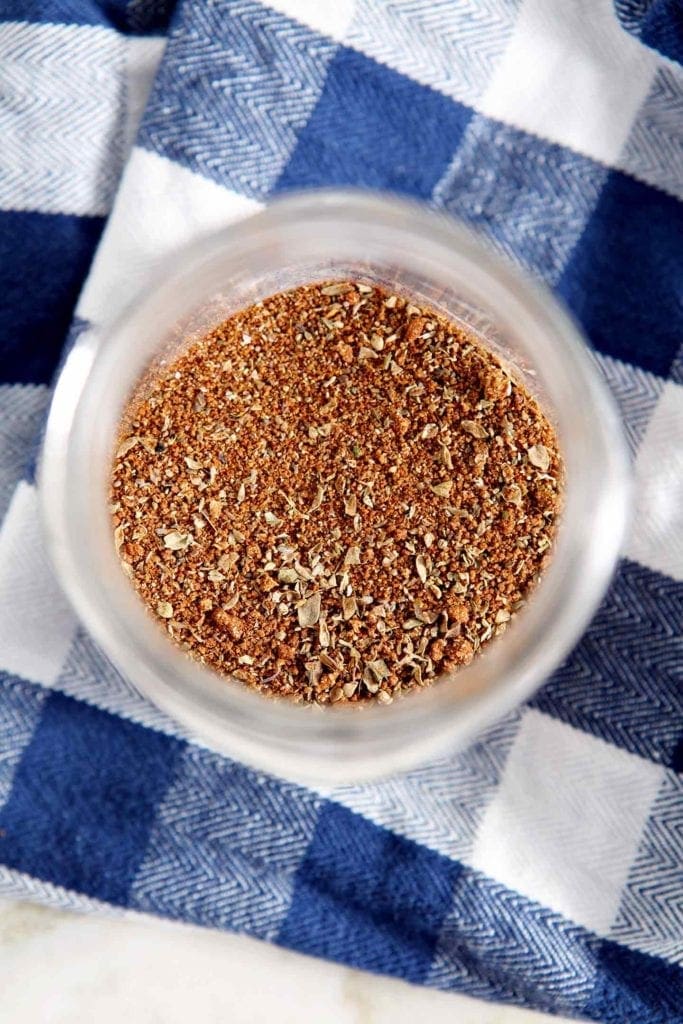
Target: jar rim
x,y
340,744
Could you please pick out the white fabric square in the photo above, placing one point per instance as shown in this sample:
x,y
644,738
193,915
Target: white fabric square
x,y
161,206
564,825
656,538
451,46
331,19
62,117
572,75
36,622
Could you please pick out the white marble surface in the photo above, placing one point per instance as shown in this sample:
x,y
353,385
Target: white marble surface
x,y
59,968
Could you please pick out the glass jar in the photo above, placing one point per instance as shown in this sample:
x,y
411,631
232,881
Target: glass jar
x,y
407,248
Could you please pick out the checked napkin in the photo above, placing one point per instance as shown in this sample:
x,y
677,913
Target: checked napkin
x,y
544,865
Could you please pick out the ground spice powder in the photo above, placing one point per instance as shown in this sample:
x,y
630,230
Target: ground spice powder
x,y
335,495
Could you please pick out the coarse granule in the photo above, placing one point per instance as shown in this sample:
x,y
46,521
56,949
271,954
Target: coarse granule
x,y
335,495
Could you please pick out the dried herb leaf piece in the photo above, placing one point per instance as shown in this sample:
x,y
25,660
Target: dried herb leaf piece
x,y
539,456
177,541
308,613
442,489
474,429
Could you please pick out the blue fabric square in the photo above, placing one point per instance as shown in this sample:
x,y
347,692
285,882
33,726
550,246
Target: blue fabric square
x,y
376,128
43,261
369,898
83,799
624,681
236,86
136,16
662,28
225,847
635,987
142,16
33,450
496,944
530,197
658,23
66,12
625,278
677,758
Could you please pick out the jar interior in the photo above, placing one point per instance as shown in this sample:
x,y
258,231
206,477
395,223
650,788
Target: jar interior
x,y
242,291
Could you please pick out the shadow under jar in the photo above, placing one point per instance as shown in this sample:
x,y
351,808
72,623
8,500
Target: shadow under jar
x,y
405,249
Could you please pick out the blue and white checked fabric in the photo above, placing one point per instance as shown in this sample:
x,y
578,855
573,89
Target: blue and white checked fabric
x,y
543,866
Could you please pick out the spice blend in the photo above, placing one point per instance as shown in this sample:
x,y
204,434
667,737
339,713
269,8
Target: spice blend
x,y
335,495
